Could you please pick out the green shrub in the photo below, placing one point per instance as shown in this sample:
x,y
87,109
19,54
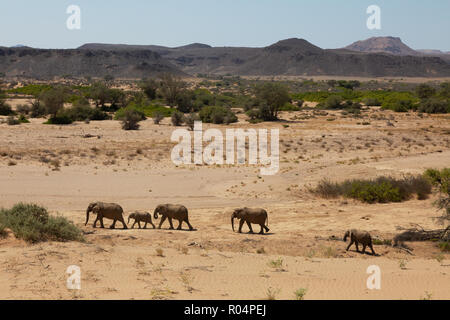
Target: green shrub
x,y
177,118
120,114
217,115
23,109
37,109
399,105
81,112
131,118
379,190
444,246
31,89
158,117
3,233
23,119
12,121
424,91
147,110
434,105
290,107
32,223
185,101
372,102
333,102
254,115
369,192
351,84
59,119
441,179
190,120
5,109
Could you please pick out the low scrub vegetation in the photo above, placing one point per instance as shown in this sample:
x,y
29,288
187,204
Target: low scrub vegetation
x,y
441,180
32,223
130,118
217,115
379,190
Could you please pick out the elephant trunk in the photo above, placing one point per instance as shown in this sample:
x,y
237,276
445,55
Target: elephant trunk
x,y
87,216
347,234
129,220
155,214
232,223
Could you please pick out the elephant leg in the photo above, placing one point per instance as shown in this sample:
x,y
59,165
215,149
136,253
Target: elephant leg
x,y
113,226
371,248
171,224
364,249
241,223
348,247
132,227
180,222
357,246
123,223
101,222
95,223
267,229
189,225
161,222
145,225
250,227
152,224
262,229
139,224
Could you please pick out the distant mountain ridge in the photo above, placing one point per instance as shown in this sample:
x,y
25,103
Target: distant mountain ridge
x,y
296,57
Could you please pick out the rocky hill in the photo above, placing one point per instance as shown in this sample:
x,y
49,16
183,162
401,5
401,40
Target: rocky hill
x,y
391,45
47,64
286,57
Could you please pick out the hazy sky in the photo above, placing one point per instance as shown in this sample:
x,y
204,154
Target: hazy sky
x,y
327,23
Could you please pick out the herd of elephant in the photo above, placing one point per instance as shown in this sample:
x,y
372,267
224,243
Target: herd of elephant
x,y
172,212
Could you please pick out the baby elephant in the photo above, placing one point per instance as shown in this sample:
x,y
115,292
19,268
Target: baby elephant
x,y
359,237
249,216
141,217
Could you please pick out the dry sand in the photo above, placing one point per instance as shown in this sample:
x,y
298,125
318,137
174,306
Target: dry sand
x,y
58,167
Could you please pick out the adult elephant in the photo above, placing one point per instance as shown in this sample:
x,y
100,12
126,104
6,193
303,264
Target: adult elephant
x,y
170,212
249,216
110,211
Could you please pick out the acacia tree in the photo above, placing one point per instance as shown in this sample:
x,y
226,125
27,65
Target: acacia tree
x,y
53,100
171,88
150,88
273,96
99,93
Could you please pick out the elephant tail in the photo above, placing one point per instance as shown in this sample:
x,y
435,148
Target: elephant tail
x,y
267,219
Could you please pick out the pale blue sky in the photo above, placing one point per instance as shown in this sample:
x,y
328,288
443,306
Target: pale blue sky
x,y
327,23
